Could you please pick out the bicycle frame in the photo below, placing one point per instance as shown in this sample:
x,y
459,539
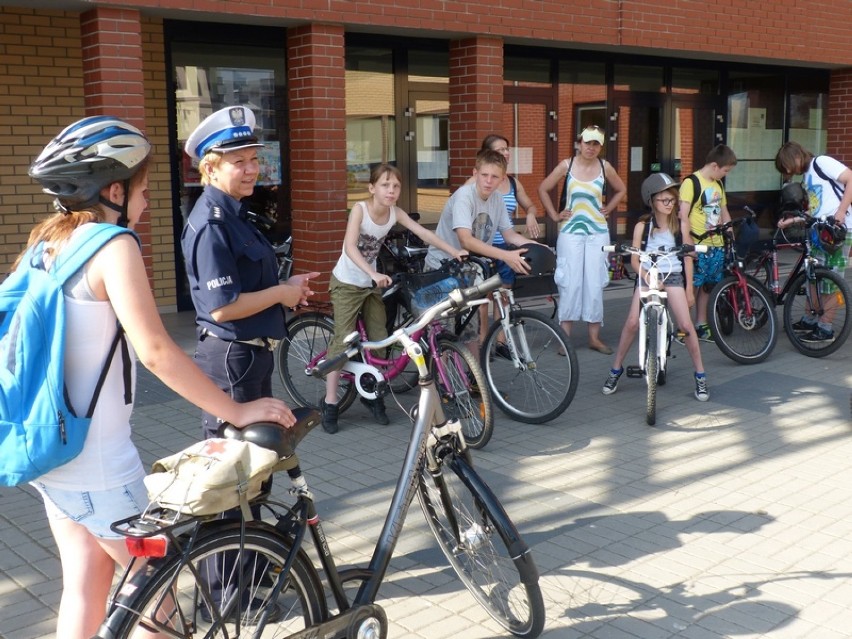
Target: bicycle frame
x,y
430,428
654,296
382,369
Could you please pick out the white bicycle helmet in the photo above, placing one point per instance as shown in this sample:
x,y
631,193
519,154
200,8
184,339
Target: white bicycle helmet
x,y
87,156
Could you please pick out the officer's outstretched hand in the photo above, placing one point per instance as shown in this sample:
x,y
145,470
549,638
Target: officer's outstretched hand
x,y
298,289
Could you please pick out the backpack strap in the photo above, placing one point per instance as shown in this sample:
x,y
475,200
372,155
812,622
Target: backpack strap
x,y
603,173
696,188
834,185
90,239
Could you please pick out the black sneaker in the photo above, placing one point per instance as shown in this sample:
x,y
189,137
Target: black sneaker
x,y
611,383
803,326
502,350
818,334
330,413
377,407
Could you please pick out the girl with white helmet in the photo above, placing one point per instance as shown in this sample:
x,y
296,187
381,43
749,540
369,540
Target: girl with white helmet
x,y
661,228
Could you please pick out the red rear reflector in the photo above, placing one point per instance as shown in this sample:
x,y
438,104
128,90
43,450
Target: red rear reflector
x,y
155,546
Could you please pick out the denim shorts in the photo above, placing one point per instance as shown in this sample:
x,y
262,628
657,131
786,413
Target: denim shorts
x,y
95,509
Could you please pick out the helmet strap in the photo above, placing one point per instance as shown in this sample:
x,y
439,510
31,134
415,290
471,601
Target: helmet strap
x,y
120,209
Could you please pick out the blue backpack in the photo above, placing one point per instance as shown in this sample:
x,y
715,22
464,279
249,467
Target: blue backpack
x,y
39,429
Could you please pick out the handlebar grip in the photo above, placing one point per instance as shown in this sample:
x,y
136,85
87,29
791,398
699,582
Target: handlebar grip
x,y
700,248
609,248
460,297
327,366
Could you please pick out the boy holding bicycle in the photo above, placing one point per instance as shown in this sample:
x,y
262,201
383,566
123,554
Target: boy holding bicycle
x,y
703,206
472,216
355,283
660,229
828,185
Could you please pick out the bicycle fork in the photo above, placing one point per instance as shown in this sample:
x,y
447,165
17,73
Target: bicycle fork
x,y
663,328
516,337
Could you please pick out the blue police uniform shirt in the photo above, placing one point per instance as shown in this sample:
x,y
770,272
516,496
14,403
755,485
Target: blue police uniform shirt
x,y
225,255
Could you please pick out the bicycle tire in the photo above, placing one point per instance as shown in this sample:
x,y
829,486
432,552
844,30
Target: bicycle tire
x,y
307,337
147,601
483,546
462,397
652,362
745,337
541,389
838,311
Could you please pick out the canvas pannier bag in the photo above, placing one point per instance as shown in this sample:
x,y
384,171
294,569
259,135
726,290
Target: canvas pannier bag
x,y
211,477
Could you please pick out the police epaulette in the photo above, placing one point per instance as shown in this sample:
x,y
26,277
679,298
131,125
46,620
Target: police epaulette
x,y
216,214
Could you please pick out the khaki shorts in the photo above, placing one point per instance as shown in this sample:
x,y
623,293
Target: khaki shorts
x,y
348,301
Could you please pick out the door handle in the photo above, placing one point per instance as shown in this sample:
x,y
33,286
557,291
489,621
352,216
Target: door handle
x,y
409,136
552,136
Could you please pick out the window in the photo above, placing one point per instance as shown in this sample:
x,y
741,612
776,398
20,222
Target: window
x,y
370,122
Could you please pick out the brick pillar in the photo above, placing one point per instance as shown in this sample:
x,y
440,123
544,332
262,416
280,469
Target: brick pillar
x,y
317,95
113,82
476,100
840,115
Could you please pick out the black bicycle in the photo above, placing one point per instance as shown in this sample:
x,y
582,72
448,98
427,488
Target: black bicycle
x,y
271,586
810,294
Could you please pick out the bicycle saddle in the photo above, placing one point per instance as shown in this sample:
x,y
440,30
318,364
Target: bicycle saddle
x,y
274,436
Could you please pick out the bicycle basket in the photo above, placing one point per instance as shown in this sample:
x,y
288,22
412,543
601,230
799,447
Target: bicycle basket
x,y
422,290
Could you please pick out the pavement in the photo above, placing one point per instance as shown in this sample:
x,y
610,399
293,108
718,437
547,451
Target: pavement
x,y
731,518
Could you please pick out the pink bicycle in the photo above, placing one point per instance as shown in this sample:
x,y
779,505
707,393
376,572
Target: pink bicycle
x,y
457,373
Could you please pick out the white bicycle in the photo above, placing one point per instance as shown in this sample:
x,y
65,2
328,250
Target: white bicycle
x,y
656,329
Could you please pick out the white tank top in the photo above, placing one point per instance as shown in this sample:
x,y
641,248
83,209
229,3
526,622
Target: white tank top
x,y
370,238
109,459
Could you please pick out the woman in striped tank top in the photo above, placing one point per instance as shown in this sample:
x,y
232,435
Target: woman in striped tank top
x,y
581,266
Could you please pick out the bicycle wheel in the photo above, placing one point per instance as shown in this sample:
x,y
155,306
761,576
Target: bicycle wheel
x,y
166,595
652,362
827,299
308,338
543,383
747,337
482,545
461,396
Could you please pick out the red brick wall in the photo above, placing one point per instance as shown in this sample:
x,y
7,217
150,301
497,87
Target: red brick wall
x,y
840,116
317,108
476,98
788,29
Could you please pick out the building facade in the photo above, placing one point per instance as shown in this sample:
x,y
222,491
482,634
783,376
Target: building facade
x,y
339,86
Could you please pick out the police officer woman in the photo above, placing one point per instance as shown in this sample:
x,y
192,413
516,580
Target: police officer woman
x,y
232,269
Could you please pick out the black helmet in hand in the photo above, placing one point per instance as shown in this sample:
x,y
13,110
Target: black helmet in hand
x,y
541,258
793,197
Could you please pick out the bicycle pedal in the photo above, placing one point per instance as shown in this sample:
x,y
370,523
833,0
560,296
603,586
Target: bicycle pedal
x,y
635,371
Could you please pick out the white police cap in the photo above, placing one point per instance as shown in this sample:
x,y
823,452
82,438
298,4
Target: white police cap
x,y
229,129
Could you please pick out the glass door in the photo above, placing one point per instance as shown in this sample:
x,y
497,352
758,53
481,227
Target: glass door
x,y
426,183
530,127
205,81
635,149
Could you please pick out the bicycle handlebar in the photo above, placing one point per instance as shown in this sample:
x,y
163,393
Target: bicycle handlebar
x,y
456,300
721,228
679,251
